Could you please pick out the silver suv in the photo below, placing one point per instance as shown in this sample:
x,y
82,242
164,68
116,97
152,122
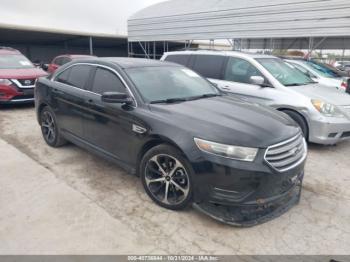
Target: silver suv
x,y
323,113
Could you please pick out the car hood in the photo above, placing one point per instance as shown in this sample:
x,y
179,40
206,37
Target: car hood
x,y
228,120
325,93
22,73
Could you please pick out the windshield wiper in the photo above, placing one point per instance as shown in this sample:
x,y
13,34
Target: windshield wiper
x,y
296,84
203,96
169,101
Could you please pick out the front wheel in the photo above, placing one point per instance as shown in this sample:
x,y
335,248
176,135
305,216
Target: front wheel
x,y
166,177
49,128
300,121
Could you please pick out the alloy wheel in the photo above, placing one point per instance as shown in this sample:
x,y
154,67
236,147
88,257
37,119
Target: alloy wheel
x,y
167,179
48,127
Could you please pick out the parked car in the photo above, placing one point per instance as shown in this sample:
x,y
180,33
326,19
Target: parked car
x,y
322,113
171,127
320,74
17,77
343,65
64,59
333,69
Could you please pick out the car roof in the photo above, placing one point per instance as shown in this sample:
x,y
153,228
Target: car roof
x,y
8,51
126,62
223,53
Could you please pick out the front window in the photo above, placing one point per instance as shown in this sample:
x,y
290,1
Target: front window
x,y
15,62
286,74
157,84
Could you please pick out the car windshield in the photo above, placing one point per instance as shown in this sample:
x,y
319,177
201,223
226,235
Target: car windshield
x,y
286,74
322,70
170,84
14,62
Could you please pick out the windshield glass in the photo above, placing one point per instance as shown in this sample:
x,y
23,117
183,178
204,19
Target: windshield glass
x,y
169,82
14,62
322,70
286,74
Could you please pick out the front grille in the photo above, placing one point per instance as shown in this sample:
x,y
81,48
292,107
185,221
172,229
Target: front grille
x,y
288,154
27,82
345,135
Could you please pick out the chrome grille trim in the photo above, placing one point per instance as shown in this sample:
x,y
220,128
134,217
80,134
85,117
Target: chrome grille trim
x,y
18,84
287,154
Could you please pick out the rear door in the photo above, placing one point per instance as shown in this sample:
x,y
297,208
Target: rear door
x,y
108,127
69,97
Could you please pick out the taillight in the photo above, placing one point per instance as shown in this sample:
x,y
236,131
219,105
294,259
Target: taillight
x,y
344,85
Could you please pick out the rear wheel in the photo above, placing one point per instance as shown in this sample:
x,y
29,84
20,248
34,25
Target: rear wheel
x,y
49,128
300,121
166,177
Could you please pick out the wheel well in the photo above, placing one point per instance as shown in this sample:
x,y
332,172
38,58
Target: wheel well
x,y
296,112
153,143
41,107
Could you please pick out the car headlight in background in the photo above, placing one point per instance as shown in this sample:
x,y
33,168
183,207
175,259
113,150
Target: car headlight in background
x,y
326,109
234,152
5,82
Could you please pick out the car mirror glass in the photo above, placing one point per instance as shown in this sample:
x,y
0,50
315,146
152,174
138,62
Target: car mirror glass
x,y
117,98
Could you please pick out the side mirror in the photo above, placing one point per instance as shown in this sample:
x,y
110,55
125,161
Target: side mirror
x,y
117,98
257,80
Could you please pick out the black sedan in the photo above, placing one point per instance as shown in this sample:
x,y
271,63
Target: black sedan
x,y
238,162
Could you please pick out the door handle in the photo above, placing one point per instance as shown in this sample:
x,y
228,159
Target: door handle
x,y
226,88
55,90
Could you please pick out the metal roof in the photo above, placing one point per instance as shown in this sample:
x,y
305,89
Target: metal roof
x,y
178,20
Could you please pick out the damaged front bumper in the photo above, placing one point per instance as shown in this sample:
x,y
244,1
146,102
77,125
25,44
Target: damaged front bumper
x,y
247,215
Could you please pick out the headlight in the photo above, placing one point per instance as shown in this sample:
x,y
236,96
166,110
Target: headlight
x,y
5,82
234,152
327,109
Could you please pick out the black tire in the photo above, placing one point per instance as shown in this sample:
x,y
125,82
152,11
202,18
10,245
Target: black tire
x,y
300,121
180,186
49,128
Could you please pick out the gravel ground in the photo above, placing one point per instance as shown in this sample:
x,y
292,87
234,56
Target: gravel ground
x,y
318,225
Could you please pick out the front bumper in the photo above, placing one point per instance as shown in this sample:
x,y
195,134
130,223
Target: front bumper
x,y
245,193
247,215
329,131
14,95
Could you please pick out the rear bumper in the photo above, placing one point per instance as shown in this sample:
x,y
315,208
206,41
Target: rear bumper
x,y
329,132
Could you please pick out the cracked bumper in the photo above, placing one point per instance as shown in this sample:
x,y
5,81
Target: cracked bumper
x,y
247,215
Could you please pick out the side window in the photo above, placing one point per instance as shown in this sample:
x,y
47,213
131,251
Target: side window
x,y
209,66
63,77
58,61
76,76
178,59
65,60
107,81
240,70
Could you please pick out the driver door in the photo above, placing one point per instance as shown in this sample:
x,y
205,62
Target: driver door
x,y
237,80
108,126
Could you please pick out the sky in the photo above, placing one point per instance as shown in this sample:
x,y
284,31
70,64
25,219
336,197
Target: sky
x,y
102,17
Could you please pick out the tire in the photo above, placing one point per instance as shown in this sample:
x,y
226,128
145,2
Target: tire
x,y
159,175
300,121
49,128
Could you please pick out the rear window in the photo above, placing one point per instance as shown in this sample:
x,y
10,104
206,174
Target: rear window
x,y
209,66
76,76
178,59
15,62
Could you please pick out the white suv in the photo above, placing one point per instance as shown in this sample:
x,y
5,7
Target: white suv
x,y
323,113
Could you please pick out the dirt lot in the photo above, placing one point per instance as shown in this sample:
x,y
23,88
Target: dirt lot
x,y
319,225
